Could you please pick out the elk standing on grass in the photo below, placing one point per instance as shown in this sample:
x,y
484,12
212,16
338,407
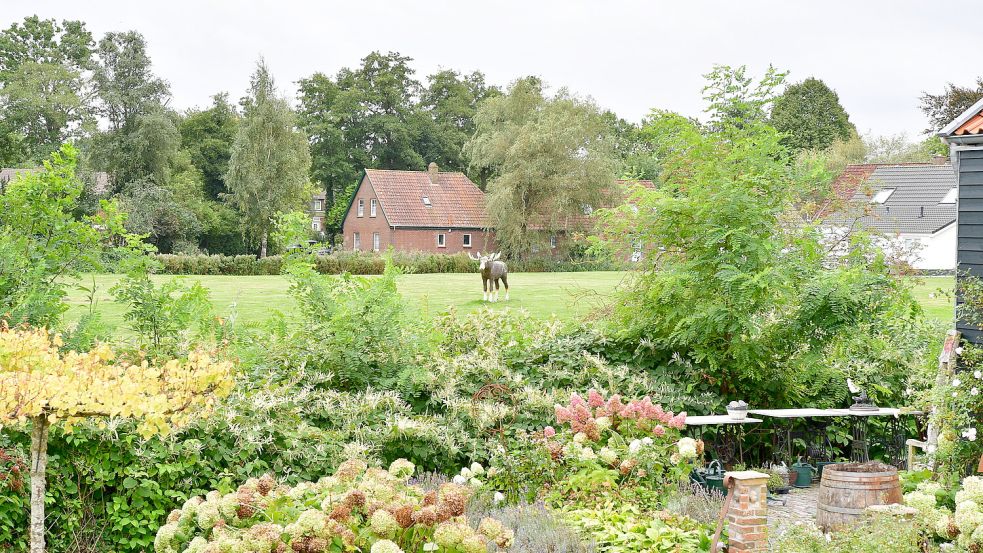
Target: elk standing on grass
x,y
492,270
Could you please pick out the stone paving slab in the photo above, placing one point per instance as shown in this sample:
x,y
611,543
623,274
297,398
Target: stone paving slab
x,y
800,506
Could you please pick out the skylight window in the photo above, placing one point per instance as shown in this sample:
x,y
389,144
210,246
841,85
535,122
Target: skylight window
x,y
950,197
426,201
882,195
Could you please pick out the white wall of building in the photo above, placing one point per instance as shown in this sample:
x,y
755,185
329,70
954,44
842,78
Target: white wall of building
x,y
930,252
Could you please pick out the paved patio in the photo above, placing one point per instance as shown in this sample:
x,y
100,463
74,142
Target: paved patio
x,y
799,507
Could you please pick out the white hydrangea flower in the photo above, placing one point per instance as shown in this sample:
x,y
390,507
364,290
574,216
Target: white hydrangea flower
x,y
460,480
634,446
499,497
956,382
687,448
975,391
977,374
647,441
970,434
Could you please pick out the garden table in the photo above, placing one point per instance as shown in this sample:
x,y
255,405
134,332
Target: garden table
x,y
859,447
728,442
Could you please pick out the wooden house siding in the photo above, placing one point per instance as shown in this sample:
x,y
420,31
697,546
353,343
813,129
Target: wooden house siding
x,y
969,241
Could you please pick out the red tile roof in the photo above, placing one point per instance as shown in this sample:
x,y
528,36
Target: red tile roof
x,y
455,201
973,126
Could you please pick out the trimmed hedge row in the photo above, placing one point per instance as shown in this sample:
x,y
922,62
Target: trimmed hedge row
x,y
358,263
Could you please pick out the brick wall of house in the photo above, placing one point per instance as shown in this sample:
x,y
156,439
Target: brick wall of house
x,y
425,240
366,225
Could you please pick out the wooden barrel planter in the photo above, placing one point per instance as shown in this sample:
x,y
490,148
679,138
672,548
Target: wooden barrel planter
x,y
847,489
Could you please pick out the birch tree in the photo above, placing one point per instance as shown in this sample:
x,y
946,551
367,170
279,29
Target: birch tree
x,y
270,162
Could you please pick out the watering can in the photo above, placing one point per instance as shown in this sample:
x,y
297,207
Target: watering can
x,y
803,473
715,476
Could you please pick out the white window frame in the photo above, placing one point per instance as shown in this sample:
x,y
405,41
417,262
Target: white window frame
x,y
316,224
553,242
441,240
318,205
361,208
373,203
882,195
356,242
466,240
950,196
375,241
427,202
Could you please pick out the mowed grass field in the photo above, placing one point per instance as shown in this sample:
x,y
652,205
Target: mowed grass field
x,y
254,298
566,295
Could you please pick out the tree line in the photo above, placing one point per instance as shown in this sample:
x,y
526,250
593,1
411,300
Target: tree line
x,y
222,178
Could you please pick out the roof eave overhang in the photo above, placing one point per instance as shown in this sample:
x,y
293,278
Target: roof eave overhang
x,y
947,131
964,139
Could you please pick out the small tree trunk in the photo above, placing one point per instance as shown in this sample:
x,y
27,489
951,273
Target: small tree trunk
x,y
262,246
39,463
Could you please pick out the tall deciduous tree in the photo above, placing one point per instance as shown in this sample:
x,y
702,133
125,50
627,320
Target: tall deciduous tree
x,y
810,115
942,108
207,136
124,79
270,162
553,157
45,95
45,386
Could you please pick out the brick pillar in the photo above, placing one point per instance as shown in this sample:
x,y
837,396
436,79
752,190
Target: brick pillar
x,y
747,519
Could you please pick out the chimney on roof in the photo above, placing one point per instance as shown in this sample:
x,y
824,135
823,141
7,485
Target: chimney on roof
x,y
433,170
921,212
939,160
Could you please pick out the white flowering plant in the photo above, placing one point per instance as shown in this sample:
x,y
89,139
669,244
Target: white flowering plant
x,y
962,526
961,418
357,509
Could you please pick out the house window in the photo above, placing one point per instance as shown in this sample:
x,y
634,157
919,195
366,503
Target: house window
x,y
426,201
553,242
356,242
375,241
950,197
372,204
318,205
466,240
361,208
316,223
882,195
588,209
441,240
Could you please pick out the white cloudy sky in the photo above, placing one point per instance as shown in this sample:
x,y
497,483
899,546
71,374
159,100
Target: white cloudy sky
x,y
630,56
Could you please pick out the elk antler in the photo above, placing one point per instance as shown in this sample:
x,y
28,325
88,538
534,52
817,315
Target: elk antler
x,y
473,258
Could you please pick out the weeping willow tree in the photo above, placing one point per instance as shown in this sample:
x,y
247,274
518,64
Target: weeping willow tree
x,y
270,161
552,159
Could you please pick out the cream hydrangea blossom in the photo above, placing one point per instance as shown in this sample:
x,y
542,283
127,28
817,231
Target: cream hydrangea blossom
x,y
687,448
385,546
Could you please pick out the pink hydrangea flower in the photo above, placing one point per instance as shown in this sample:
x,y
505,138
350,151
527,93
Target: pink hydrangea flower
x,y
576,400
679,421
615,406
549,432
659,430
563,414
595,399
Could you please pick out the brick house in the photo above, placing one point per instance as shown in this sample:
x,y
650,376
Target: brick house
x,y
431,211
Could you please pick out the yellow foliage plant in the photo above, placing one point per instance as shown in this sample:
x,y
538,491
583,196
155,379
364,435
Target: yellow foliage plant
x,y
41,386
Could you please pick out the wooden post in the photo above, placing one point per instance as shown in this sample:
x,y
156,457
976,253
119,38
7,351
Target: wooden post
x,y
39,463
747,520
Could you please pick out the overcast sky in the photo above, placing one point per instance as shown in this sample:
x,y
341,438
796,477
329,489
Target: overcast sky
x,y
630,56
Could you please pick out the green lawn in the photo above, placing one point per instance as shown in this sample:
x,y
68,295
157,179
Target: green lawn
x,y
566,295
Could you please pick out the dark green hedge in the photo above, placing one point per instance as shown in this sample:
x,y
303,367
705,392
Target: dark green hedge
x,y
364,264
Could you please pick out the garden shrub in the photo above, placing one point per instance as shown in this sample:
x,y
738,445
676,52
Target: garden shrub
x,y
364,263
358,508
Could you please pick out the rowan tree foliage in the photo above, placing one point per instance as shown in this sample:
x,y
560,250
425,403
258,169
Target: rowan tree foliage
x,y
270,162
810,115
735,287
42,386
42,241
552,158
